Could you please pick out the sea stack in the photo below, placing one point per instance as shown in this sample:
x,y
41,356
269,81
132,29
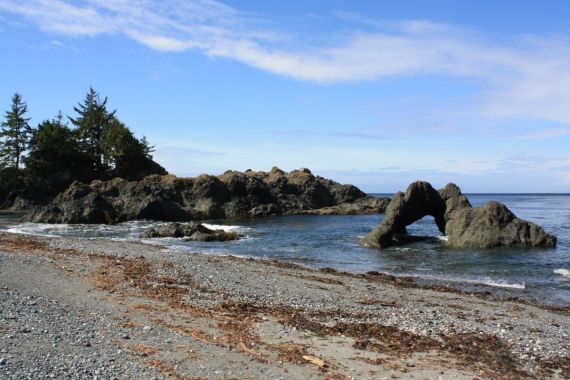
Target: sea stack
x,y
491,225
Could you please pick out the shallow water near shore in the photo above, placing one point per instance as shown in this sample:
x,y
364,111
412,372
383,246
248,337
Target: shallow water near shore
x,y
332,241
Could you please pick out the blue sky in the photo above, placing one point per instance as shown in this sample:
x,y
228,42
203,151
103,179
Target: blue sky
x,y
372,93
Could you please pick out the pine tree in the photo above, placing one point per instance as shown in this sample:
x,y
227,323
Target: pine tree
x,y
54,158
15,133
147,148
118,143
93,120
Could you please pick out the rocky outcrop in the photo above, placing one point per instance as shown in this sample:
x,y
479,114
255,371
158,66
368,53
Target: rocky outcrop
x,y
494,225
368,205
491,225
190,232
230,195
419,200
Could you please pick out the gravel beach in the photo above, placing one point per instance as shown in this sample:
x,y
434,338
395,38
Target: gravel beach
x,y
101,309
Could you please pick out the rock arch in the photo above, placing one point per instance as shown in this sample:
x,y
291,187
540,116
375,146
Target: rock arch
x,y
491,225
419,200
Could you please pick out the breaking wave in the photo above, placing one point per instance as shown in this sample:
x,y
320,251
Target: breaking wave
x,y
562,272
224,227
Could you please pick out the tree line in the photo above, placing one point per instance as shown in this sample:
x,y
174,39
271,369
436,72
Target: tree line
x,y
40,162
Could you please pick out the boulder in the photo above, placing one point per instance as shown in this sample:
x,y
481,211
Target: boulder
x,y
491,225
190,232
230,195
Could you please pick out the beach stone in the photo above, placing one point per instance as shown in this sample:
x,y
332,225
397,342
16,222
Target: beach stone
x,y
190,231
491,225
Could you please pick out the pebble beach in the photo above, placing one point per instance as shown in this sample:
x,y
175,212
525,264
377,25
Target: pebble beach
x,y
101,309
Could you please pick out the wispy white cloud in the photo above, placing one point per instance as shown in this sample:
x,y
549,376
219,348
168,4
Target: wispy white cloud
x,y
354,134
527,77
548,133
61,17
358,18
56,43
529,173
185,158
554,166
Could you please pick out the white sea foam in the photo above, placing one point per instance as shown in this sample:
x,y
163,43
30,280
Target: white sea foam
x,y
38,229
443,238
224,227
470,281
562,272
504,285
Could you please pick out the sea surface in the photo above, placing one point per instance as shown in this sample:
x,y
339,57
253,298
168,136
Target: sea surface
x,y
332,241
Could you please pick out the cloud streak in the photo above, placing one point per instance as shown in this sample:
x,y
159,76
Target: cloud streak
x,y
359,134
526,78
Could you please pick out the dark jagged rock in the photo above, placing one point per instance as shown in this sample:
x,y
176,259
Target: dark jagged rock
x,y
453,198
189,231
492,225
368,205
230,195
419,200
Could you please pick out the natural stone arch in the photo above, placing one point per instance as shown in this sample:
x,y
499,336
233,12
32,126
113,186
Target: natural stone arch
x,y
419,200
491,225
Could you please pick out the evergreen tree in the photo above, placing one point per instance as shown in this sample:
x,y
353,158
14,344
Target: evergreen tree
x,y
147,148
55,159
15,133
118,143
128,156
93,118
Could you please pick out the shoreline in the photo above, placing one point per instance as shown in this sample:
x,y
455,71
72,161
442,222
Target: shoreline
x,y
239,317
410,282
403,281
475,288
462,286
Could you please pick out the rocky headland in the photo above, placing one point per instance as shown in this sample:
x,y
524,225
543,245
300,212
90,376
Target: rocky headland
x,y
491,225
231,195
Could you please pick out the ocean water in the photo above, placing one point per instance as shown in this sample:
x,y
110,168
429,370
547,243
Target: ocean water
x,y
332,241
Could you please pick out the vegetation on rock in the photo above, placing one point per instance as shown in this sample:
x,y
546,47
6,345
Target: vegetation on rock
x,y
54,155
